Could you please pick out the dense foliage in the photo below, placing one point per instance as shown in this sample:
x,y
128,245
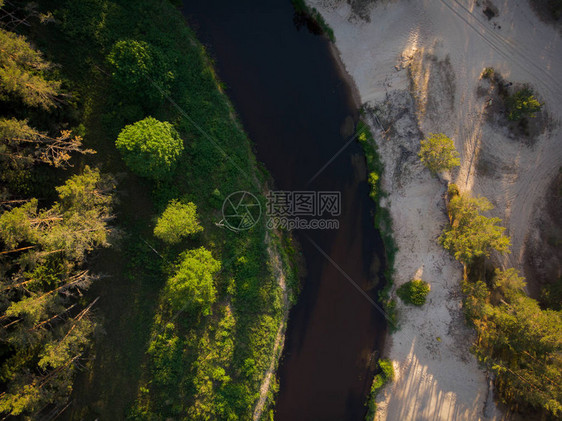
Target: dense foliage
x,y
165,357
522,104
45,327
385,375
150,147
192,288
472,235
438,153
44,243
140,70
22,73
414,292
178,221
516,339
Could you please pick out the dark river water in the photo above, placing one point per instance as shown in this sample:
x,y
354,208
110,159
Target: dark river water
x,y
298,111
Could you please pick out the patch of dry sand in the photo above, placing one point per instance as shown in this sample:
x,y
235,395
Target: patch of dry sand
x,y
443,46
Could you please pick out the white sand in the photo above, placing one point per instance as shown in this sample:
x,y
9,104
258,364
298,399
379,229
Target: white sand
x,y
438,379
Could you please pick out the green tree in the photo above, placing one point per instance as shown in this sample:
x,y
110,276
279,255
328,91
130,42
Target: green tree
x,y
192,286
178,221
21,142
509,280
520,342
438,153
414,292
22,73
150,147
471,234
44,329
140,71
522,104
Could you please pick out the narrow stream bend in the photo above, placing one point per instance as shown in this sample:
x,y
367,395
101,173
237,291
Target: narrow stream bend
x,y
299,112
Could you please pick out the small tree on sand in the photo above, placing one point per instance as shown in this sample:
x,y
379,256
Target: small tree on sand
x,y
522,104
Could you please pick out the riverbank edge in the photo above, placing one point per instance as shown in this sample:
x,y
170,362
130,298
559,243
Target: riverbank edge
x,y
278,244
382,220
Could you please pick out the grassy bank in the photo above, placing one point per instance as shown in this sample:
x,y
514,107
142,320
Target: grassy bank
x,y
152,360
314,20
385,375
383,223
382,220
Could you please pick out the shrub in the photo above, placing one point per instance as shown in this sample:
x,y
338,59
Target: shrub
x,y
385,376
192,287
487,73
178,221
414,292
438,153
522,104
150,147
452,190
139,72
373,181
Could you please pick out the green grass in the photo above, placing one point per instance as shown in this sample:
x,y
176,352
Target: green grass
x,y
384,376
302,8
382,220
177,365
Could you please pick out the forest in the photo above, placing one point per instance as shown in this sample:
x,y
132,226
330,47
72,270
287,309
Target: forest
x,y
120,295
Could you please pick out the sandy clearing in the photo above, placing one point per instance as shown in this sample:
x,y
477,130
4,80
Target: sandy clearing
x,y
446,44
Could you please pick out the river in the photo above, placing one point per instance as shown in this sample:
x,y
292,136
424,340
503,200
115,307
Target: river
x,y
299,112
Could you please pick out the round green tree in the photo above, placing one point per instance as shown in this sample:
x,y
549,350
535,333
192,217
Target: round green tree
x,y
150,147
139,71
438,153
192,287
178,221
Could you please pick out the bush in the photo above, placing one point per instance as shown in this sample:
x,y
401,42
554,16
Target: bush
x,y
452,190
385,376
487,73
150,147
178,220
192,287
140,72
373,181
522,104
414,292
438,153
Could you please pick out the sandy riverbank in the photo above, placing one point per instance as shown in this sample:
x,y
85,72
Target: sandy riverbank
x,y
418,64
